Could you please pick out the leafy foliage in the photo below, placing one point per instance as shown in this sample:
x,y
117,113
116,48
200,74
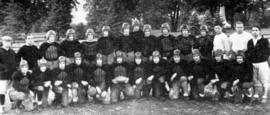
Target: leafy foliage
x,y
25,16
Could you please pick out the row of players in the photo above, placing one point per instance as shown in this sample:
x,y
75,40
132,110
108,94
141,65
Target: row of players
x,y
77,82
152,49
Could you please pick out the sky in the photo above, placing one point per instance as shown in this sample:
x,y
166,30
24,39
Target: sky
x,y
79,15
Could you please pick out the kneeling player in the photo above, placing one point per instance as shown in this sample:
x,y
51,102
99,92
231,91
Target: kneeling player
x,y
21,83
42,83
242,73
99,80
200,74
179,71
139,74
222,71
120,80
78,76
158,75
61,83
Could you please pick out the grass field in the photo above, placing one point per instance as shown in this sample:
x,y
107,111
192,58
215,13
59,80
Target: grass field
x,y
154,107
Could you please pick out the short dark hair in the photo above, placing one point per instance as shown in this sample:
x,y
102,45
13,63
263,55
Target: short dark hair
x,y
218,25
257,26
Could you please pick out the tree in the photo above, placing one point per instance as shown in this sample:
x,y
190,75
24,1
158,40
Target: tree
x,y
20,15
80,30
59,15
24,16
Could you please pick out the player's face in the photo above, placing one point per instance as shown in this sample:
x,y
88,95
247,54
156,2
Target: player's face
x,y
147,33
256,31
203,33
126,32
185,32
239,59
218,29
52,38
138,61
99,62
7,44
24,69
62,65
105,33
176,59
28,41
71,37
218,58
136,28
43,68
78,61
239,28
156,59
90,36
165,31
119,59
196,58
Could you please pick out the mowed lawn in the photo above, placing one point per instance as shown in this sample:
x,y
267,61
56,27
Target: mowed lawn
x,y
155,107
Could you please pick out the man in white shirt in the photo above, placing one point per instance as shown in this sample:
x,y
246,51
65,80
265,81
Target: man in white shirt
x,y
239,39
221,40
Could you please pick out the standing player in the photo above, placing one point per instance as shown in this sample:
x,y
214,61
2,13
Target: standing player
x,y
51,50
29,52
105,45
70,45
221,40
205,42
8,65
89,47
150,42
136,36
186,43
240,38
166,42
258,53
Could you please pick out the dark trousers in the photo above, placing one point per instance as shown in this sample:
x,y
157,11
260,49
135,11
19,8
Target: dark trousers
x,y
197,87
116,90
159,89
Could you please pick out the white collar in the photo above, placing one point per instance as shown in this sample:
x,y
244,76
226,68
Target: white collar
x,y
258,38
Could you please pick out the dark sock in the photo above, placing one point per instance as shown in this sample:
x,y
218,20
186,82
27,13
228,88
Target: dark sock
x,y
2,99
39,95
